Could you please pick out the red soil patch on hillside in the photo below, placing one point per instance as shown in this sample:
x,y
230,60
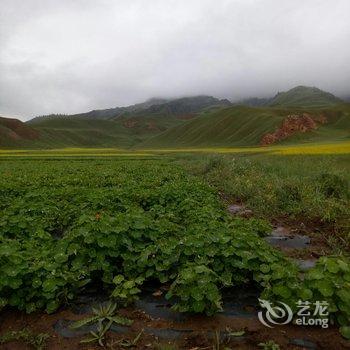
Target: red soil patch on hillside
x,y
130,123
149,126
15,129
293,124
152,126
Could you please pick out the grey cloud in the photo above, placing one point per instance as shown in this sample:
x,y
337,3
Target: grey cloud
x,y
69,56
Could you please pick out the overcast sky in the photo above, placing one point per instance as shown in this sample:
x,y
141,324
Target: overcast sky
x,y
67,56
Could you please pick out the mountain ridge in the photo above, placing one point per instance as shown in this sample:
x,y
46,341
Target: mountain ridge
x,y
187,121
190,104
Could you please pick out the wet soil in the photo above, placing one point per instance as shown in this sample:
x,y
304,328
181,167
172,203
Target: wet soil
x,y
297,239
195,332
317,231
159,324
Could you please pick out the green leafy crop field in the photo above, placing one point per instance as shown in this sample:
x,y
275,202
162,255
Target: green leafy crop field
x,y
120,223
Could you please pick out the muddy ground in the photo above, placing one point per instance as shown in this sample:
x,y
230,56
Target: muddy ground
x,y
196,332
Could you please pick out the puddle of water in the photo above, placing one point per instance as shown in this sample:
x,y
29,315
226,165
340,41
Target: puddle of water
x,y
237,303
303,343
177,334
241,303
235,208
168,334
282,237
62,327
295,242
159,307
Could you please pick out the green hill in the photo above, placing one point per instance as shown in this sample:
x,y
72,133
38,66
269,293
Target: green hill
x,y
117,127
304,96
246,126
78,132
228,127
13,132
300,96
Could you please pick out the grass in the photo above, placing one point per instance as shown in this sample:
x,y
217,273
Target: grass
x,y
299,187
26,336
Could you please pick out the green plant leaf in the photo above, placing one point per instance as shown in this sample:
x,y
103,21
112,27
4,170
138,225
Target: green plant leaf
x,y
282,290
345,331
325,287
84,322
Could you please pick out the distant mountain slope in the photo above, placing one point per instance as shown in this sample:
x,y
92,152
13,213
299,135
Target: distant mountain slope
x,y
79,132
103,113
246,126
300,96
184,108
153,106
304,96
13,132
227,127
131,125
